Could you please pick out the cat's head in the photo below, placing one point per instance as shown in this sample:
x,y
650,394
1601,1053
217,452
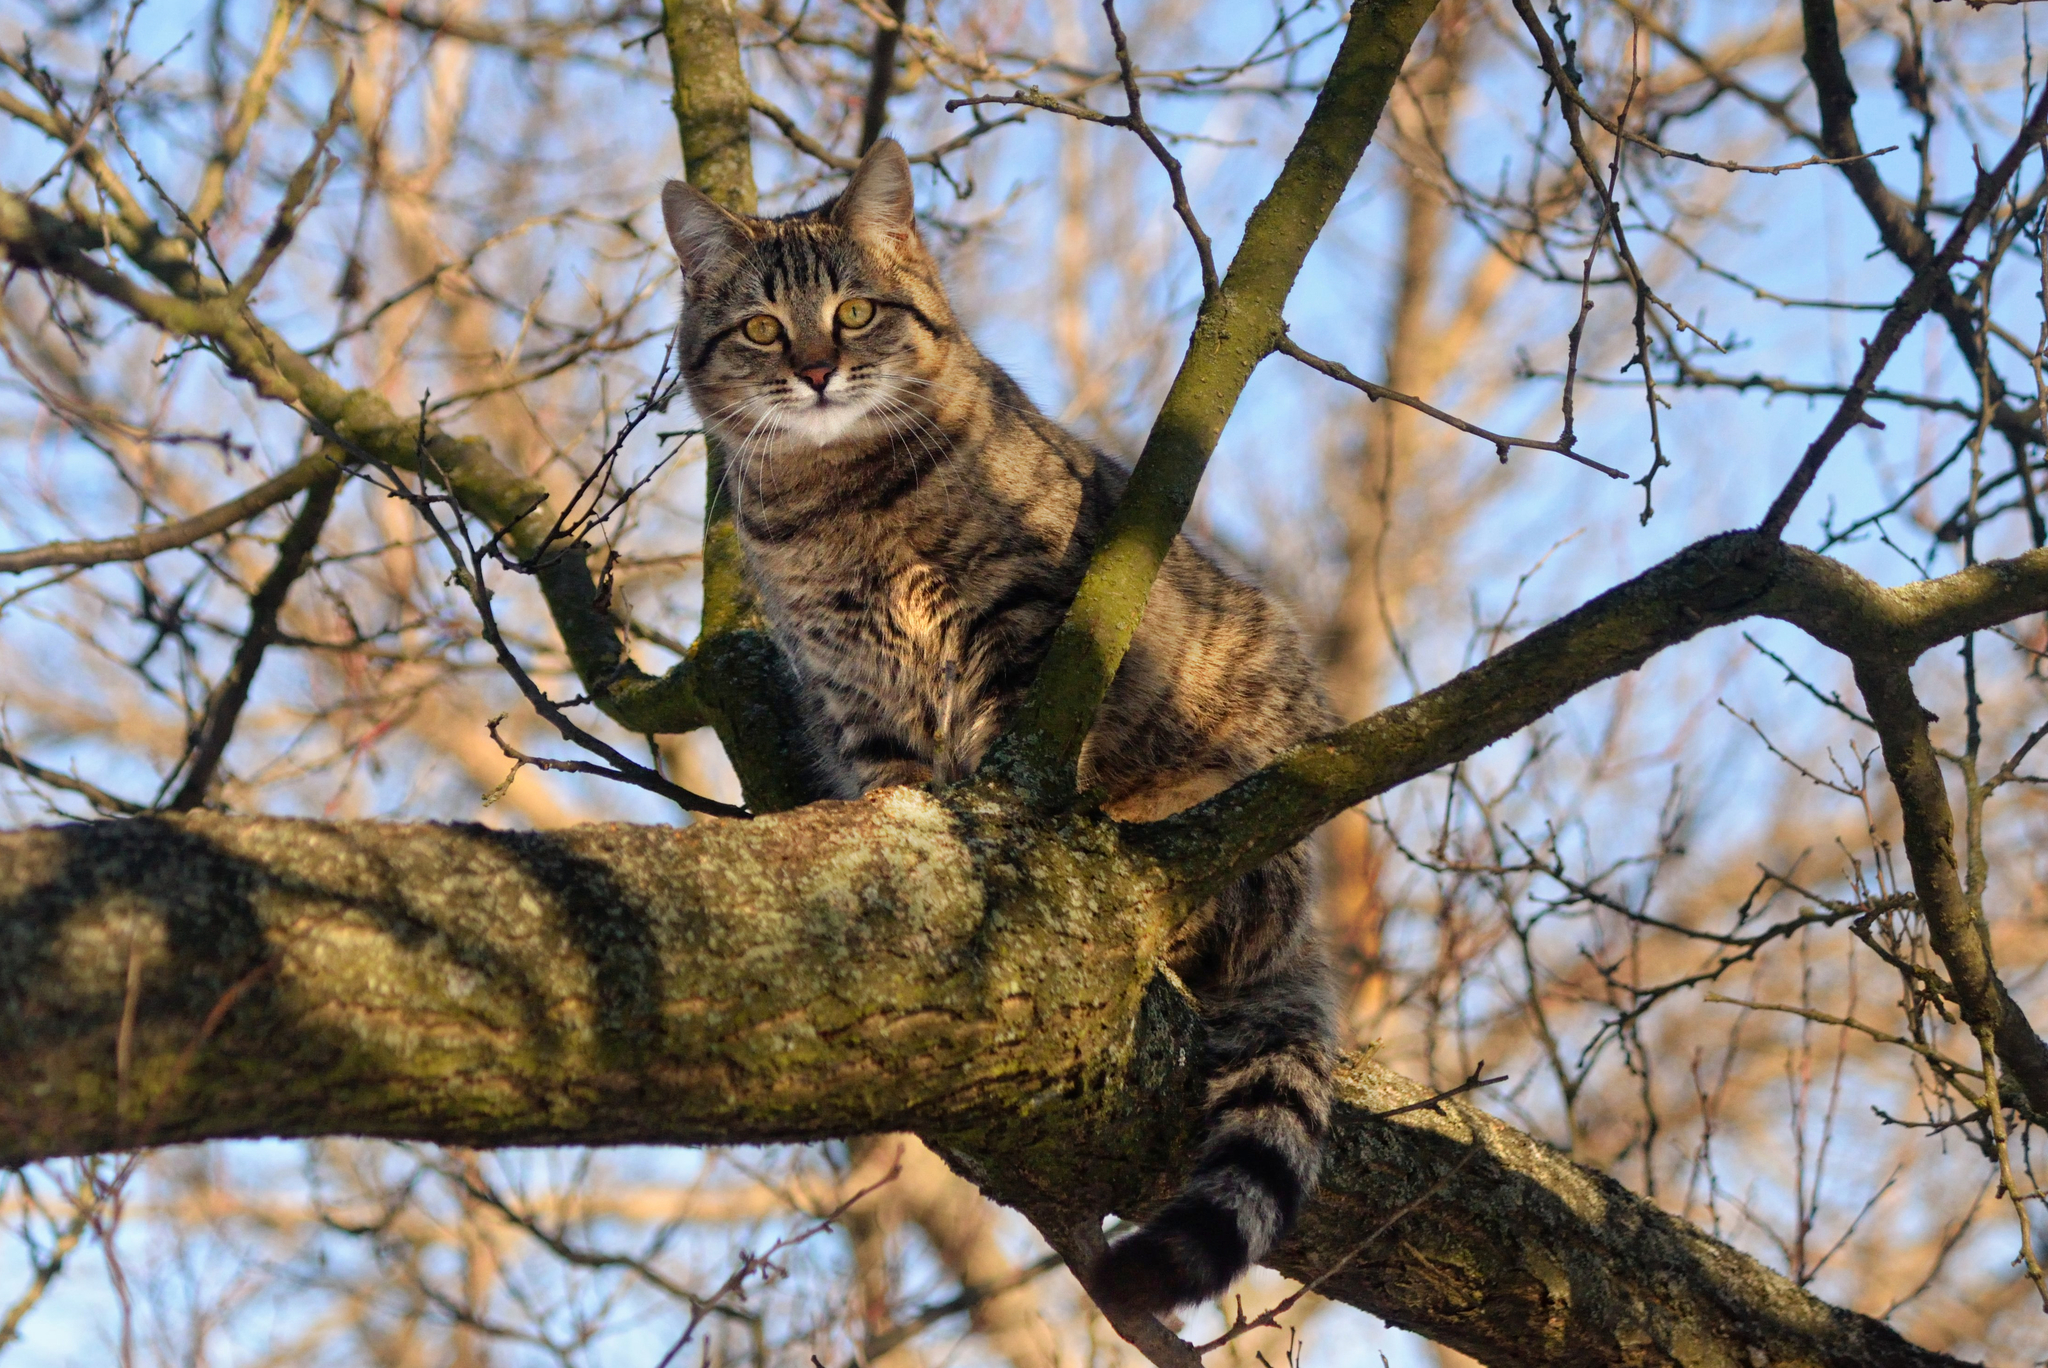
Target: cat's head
x,y
825,327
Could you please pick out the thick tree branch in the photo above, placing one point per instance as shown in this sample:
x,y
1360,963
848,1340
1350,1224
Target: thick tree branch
x,y
848,969
710,96
1237,328
1631,1284
907,962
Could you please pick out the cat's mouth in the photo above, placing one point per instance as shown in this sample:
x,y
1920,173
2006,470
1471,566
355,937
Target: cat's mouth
x,y
820,419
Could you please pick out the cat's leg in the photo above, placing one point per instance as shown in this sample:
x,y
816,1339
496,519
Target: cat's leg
x,y
875,758
867,746
904,773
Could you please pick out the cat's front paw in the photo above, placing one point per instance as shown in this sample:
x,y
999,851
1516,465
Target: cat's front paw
x,y
895,774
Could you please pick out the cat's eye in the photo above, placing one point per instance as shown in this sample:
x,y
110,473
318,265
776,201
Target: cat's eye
x,y
762,329
856,313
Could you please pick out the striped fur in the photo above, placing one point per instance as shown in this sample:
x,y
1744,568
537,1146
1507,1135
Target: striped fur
x,y
916,529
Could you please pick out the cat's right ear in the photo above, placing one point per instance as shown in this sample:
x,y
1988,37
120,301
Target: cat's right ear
x,y
704,235
878,204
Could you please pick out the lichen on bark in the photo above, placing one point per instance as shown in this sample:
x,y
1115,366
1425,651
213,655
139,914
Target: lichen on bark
x,y
950,964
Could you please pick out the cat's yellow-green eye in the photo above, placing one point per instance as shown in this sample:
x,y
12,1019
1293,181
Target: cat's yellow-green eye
x,y
762,329
856,313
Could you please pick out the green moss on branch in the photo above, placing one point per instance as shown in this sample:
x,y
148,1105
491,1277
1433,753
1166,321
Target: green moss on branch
x,y
947,965
1712,583
1237,328
741,678
363,424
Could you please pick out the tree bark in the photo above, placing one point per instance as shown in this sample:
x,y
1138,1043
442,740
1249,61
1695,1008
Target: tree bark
x,y
942,964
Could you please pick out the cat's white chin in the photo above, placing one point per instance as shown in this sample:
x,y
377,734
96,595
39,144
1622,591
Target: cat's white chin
x,y
820,425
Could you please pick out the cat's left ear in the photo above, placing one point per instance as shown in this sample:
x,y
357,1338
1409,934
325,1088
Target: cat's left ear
x,y
877,204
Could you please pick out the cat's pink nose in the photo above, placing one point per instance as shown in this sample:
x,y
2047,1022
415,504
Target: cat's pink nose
x,y
816,376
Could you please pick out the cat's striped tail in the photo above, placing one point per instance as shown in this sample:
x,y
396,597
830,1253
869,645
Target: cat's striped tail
x,y
1270,1052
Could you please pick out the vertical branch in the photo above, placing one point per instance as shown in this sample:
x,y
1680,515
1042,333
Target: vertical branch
x,y
1994,1120
263,74
881,76
1957,931
710,98
1238,327
223,710
741,679
1566,79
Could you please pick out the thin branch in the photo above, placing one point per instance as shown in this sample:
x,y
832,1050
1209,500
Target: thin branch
x,y
2009,771
793,133
752,1264
1954,929
1134,119
1830,699
105,802
301,193
1930,284
1500,443
470,561
363,426
1927,1052
169,536
1611,227
969,1299
270,61
210,738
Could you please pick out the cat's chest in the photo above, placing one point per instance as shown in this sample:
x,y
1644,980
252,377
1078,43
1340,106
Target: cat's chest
x,y
848,609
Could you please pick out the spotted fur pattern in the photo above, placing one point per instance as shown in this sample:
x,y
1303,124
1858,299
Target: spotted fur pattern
x,y
916,529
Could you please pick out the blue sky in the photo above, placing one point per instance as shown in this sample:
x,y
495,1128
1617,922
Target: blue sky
x,y
1800,234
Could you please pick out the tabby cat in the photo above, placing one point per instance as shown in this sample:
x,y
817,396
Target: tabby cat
x,y
916,529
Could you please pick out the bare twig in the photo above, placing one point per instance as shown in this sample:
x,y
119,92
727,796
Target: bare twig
x,y
1473,1082
1500,443
216,727
470,562
1271,1315
169,536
